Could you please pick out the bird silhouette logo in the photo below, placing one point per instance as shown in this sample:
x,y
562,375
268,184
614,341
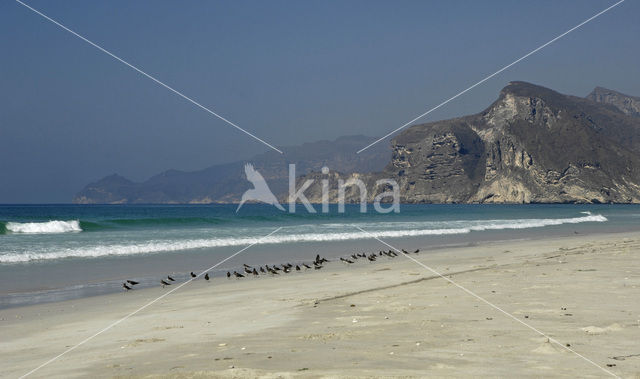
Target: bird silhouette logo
x,y
260,191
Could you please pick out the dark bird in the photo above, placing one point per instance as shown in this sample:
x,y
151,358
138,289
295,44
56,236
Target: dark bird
x,y
371,258
404,251
255,272
132,282
417,251
319,260
170,278
246,265
262,270
193,275
297,268
125,286
165,283
238,275
228,274
354,256
247,271
318,267
286,270
206,276
345,260
306,265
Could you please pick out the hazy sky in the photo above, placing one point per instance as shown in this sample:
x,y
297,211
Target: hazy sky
x,y
288,71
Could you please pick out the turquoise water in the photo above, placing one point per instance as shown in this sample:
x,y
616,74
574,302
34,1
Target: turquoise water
x,y
86,250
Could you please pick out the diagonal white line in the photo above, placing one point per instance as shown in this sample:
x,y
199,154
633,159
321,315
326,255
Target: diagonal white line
x,y
492,75
149,76
488,302
145,306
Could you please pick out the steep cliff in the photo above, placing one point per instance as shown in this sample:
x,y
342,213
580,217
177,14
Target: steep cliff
x,y
532,145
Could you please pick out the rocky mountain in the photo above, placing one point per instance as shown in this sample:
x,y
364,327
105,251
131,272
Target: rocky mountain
x,y
225,183
532,145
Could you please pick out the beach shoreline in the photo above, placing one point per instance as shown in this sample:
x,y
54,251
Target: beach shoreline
x,y
391,318
40,282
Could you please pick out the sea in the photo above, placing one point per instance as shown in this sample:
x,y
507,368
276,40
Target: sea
x,y
57,252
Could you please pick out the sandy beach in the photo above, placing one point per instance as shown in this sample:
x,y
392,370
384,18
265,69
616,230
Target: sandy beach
x,y
387,318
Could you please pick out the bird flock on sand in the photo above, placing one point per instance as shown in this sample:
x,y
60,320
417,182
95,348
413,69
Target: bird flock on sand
x,y
284,268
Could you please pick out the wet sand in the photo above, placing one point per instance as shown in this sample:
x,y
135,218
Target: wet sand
x,y
387,318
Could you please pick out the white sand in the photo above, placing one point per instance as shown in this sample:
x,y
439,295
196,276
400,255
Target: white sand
x,y
388,318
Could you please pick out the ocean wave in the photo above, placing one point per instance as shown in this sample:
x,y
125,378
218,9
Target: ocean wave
x,y
48,227
57,226
166,221
192,244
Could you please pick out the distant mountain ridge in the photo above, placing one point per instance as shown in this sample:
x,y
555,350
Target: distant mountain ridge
x,y
532,145
225,183
629,105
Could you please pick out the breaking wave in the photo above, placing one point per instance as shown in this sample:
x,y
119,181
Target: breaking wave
x,y
48,227
56,226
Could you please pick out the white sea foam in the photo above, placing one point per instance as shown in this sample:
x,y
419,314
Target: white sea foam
x,y
49,227
157,246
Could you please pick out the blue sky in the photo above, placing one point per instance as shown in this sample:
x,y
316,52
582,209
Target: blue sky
x,y
288,71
